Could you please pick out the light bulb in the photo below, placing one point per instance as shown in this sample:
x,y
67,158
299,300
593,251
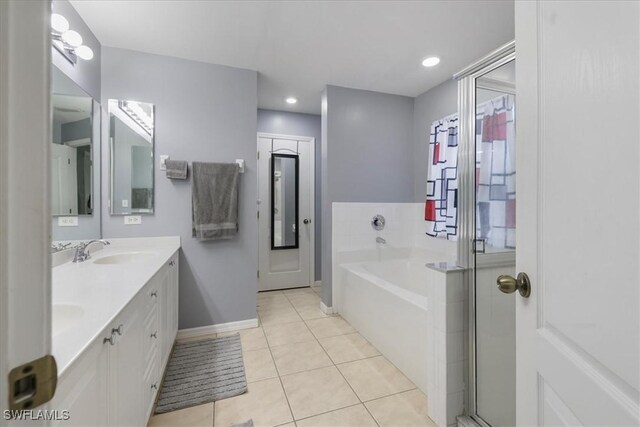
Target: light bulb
x,y
84,52
59,23
291,100
431,61
72,38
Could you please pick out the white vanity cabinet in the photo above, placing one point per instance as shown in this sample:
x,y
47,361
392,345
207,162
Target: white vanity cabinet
x,y
115,380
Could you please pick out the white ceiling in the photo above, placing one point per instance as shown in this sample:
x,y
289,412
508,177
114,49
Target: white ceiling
x,y
299,47
68,109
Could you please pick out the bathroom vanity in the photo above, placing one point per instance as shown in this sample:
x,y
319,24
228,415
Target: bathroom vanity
x,y
114,322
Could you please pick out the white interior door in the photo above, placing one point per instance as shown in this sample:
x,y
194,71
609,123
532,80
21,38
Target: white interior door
x,y
578,213
286,238
64,180
25,222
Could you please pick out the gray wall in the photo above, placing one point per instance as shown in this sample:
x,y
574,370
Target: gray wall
x,y
85,74
204,112
367,155
288,123
430,106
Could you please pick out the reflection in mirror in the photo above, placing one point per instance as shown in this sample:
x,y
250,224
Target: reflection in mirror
x,y
131,131
71,155
284,201
495,159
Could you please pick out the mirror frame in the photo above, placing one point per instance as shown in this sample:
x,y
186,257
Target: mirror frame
x,y
112,163
296,157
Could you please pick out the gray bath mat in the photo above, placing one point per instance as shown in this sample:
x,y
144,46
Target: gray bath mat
x,y
244,424
201,372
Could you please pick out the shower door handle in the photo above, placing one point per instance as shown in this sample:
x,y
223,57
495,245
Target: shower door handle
x,y
509,284
306,221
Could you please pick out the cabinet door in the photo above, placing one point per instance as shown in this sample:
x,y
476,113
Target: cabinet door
x,y
170,319
82,390
126,370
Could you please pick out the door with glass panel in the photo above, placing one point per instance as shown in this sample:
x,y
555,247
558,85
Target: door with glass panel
x,y
493,329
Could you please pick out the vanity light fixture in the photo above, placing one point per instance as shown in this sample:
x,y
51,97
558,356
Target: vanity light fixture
x,y
59,23
431,61
137,113
291,100
68,42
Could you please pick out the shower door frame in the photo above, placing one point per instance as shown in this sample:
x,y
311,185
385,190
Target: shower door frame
x,y
467,196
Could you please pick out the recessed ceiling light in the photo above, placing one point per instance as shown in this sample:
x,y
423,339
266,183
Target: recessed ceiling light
x,y
291,100
431,61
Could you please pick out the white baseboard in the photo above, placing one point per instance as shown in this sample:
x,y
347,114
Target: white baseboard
x,y
317,283
214,329
325,309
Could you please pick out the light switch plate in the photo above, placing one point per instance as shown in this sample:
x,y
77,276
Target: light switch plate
x,y
67,221
125,203
132,220
163,162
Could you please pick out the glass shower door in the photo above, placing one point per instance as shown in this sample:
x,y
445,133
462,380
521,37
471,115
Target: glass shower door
x,y
495,245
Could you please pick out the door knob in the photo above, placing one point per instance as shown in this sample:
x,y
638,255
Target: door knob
x,y
509,284
306,221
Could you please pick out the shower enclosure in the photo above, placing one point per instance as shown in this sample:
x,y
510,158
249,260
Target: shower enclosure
x,y
487,218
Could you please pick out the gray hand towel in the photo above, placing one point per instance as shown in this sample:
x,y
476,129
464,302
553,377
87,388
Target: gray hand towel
x,y
214,197
176,169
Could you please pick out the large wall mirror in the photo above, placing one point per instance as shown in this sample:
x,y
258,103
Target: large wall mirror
x,y
131,132
75,160
284,201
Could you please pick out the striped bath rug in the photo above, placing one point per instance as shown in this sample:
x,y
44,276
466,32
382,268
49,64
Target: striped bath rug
x,y
201,372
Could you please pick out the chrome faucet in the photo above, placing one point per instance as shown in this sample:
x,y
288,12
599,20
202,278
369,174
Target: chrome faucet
x,y
82,253
380,240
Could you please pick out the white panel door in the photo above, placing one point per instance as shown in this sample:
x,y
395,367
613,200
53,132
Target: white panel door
x,y
281,268
25,218
578,191
64,180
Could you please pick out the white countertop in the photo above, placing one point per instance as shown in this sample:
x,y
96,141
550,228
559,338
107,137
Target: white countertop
x,y
94,294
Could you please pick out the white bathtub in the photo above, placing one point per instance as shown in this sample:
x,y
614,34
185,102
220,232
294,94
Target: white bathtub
x,y
387,302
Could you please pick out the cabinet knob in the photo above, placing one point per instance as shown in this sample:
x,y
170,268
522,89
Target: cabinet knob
x,y
117,330
154,294
154,335
172,263
154,386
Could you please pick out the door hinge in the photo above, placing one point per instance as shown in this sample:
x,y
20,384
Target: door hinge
x,y
258,155
32,384
258,274
258,214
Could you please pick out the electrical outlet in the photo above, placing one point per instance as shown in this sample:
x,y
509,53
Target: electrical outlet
x,y
125,203
67,221
132,220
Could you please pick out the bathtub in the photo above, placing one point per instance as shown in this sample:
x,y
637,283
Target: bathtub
x,y
388,302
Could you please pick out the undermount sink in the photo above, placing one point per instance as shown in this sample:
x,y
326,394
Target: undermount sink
x,y
63,316
124,258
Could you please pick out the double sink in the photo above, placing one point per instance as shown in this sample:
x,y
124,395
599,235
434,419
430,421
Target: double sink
x,y
65,315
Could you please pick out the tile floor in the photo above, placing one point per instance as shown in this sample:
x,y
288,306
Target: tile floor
x,y
307,369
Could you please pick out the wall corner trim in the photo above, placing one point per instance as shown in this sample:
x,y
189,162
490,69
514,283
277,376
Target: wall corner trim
x,y
326,310
214,329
